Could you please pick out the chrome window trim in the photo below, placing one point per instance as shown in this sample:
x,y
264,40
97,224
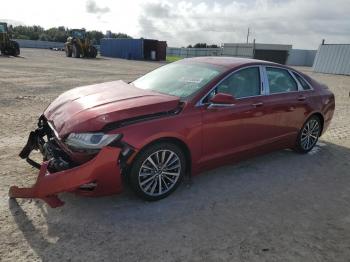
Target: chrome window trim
x,y
300,87
212,105
262,84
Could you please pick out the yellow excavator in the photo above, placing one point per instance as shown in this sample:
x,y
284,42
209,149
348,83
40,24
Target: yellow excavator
x,y
78,45
7,46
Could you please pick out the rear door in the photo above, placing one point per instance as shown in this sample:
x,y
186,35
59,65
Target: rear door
x,y
286,104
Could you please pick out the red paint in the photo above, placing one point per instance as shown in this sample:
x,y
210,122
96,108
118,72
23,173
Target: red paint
x,y
213,136
89,108
103,169
222,98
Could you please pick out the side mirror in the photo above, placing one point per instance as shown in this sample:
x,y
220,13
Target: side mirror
x,y
222,100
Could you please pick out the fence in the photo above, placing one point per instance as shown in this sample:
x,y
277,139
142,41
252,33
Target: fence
x,y
192,52
38,44
333,59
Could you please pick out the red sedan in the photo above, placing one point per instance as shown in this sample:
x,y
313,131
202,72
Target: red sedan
x,y
177,120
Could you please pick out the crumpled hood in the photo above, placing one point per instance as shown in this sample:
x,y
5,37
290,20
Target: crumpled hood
x,y
90,108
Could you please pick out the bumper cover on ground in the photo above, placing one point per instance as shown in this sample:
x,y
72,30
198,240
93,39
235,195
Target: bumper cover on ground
x,y
103,169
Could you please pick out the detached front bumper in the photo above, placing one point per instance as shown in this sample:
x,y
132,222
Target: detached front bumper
x,y
103,171
99,176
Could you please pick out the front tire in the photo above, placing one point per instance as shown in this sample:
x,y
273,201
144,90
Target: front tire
x,y
157,171
16,50
308,135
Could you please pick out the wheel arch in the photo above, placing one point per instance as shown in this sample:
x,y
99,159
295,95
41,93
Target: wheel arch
x,y
174,140
320,116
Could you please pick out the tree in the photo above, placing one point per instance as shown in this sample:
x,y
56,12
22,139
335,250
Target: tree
x,y
203,45
200,45
120,35
56,34
95,36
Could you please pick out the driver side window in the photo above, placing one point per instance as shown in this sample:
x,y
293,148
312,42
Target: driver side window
x,y
244,83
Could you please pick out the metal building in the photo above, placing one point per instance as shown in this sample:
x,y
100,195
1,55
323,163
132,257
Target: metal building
x,y
333,59
269,52
240,50
193,52
301,57
137,49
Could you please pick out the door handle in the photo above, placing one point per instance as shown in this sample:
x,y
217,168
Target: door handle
x,y
301,98
258,104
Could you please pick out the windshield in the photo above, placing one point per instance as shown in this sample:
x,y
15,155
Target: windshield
x,y
2,28
178,79
78,34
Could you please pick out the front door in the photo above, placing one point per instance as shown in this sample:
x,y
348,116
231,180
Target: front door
x,y
230,129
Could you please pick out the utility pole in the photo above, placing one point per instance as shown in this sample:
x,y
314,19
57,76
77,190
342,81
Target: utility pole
x,y
248,34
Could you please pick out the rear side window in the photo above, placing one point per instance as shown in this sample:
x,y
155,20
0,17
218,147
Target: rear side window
x,y
244,83
280,81
302,81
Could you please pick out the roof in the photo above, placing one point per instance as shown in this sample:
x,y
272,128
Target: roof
x,y
226,61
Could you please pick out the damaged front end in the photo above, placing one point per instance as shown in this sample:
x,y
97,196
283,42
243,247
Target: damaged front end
x,y
60,172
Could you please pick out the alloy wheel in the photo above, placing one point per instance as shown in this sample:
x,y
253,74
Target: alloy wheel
x,y
310,134
159,172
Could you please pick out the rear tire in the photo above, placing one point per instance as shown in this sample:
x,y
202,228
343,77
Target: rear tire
x,y
68,51
308,135
92,52
157,171
75,51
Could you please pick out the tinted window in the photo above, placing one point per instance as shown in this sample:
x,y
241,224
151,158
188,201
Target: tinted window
x,y
302,82
280,80
78,34
178,79
244,83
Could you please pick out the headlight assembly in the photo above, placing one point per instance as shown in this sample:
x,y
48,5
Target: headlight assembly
x,y
88,141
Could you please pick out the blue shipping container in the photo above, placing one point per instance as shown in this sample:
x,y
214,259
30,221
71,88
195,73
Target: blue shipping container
x,y
122,48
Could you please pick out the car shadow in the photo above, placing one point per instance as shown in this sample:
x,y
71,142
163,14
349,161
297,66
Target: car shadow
x,y
236,203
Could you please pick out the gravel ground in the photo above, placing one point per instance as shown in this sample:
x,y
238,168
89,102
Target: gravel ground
x,y
278,207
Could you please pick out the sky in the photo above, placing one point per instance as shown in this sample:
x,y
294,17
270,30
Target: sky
x,y
301,23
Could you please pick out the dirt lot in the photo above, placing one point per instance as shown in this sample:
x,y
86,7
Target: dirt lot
x,y
278,207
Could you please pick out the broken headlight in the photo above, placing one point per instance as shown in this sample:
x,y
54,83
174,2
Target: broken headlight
x,y
91,141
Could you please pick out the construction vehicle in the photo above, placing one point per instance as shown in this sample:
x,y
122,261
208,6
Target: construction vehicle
x,y
78,45
7,46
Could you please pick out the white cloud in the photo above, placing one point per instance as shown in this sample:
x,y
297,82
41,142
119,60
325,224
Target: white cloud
x,y
93,8
301,23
